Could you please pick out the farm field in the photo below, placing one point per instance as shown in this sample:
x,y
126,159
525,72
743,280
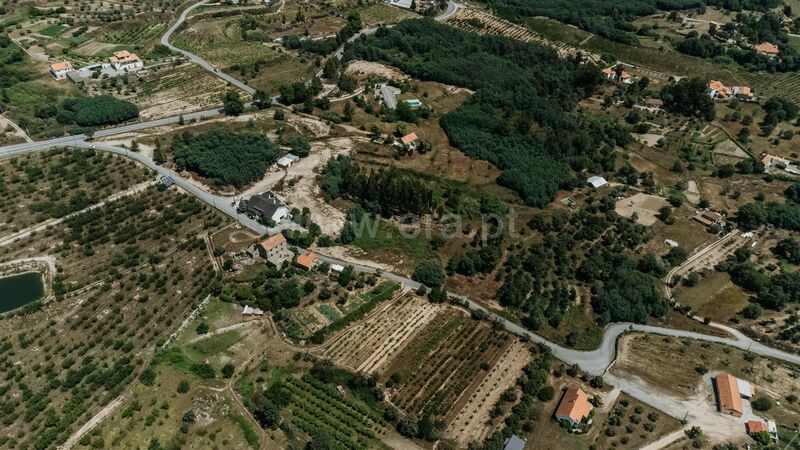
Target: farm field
x,y
126,274
367,346
263,66
477,21
313,319
176,91
435,362
315,406
42,186
673,366
155,414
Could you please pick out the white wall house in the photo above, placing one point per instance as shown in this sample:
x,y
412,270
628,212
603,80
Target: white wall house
x,y
60,70
124,60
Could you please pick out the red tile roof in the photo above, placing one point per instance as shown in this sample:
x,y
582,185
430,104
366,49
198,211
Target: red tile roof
x,y
730,400
272,241
574,405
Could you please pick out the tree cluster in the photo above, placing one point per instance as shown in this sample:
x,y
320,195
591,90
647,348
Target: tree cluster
x,y
390,191
97,111
228,157
520,118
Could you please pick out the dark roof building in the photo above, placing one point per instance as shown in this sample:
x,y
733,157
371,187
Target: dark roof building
x,y
265,205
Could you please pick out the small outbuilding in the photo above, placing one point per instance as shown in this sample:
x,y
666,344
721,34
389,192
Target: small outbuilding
x,y
250,311
514,443
306,260
287,161
597,181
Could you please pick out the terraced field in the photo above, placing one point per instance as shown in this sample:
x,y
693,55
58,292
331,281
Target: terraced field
x,y
316,407
480,22
178,91
368,345
460,357
136,34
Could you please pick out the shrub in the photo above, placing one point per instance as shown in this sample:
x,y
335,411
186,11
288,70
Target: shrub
x,y
762,404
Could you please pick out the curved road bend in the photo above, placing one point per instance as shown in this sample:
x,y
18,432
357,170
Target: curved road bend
x,y
196,59
596,361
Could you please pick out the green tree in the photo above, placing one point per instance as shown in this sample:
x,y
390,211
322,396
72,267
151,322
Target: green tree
x,y
430,273
233,105
262,99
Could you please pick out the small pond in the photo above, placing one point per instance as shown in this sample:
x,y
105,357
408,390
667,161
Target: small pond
x,y
19,290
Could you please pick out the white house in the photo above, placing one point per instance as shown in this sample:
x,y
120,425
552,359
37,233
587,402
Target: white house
x,y
597,182
60,70
127,61
287,161
265,205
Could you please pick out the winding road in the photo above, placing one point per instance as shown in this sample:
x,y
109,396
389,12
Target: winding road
x,y
196,59
595,362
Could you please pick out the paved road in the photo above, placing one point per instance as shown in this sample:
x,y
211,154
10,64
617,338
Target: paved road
x,y
74,140
223,204
196,59
596,361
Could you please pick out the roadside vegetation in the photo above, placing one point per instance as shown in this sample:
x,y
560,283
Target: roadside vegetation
x,y
223,156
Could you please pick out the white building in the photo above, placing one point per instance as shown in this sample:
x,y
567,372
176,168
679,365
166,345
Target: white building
x,y
249,311
127,61
287,161
597,182
60,70
387,94
405,4
745,388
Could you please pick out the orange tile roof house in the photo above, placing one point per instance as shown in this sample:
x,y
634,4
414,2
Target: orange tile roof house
x,y
306,261
729,400
125,60
60,70
770,160
574,407
274,249
768,49
708,218
718,90
409,138
611,74
755,426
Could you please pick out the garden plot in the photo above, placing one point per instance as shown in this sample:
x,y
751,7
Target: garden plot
x,y
368,345
728,151
472,414
449,355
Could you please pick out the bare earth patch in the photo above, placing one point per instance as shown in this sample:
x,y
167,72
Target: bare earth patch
x,y
645,206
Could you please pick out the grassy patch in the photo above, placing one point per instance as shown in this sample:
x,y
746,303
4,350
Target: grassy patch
x,y
330,312
213,345
52,30
247,428
387,241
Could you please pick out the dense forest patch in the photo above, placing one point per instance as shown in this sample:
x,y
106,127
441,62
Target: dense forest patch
x,y
98,110
385,191
225,156
613,20
520,117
